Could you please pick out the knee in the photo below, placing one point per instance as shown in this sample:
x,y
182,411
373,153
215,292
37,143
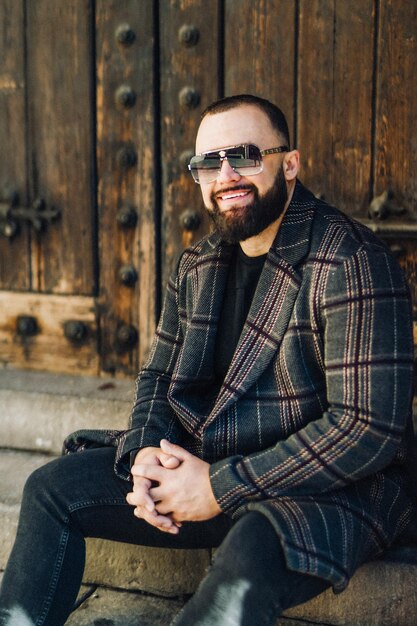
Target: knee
x,y
43,483
250,528
251,541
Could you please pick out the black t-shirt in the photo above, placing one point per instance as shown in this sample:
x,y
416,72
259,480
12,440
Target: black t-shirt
x,y
241,284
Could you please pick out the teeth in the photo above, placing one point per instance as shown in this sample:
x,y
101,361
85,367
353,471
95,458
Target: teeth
x,y
234,195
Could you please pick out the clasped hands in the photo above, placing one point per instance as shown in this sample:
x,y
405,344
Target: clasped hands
x,y
171,486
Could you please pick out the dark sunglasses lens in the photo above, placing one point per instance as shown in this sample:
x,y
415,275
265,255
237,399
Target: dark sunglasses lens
x,y
204,168
206,162
244,159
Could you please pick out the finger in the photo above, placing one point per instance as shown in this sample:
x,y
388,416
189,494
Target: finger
x,y
156,493
141,495
163,508
169,461
141,483
173,449
149,472
161,522
142,499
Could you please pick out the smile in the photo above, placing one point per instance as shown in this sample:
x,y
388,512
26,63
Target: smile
x,y
231,195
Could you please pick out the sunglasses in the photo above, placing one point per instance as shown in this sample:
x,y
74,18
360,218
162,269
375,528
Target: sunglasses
x,y
245,159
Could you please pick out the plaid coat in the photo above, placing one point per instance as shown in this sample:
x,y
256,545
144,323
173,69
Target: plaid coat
x,y
308,427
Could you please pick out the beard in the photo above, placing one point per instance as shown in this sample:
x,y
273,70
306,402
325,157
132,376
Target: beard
x,y
241,223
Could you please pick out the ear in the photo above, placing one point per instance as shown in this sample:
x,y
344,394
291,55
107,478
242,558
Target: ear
x,y
291,165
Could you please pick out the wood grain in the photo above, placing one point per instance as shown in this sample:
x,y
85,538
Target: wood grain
x,y
61,142
136,186
259,53
183,66
396,111
14,257
334,116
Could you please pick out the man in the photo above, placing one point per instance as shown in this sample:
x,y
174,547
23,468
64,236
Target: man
x,y
271,418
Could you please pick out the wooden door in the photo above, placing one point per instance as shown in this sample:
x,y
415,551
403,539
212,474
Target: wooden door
x,y
100,101
343,72
77,130
47,269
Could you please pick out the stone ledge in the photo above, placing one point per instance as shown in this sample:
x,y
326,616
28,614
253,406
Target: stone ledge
x,y
38,410
162,572
110,607
381,593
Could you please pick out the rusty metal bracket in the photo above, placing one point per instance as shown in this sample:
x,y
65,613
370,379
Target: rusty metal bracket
x,y
12,213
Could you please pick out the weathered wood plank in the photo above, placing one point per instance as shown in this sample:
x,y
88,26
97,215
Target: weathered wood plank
x,y
315,124
396,110
192,66
14,257
48,349
61,141
259,55
352,142
118,128
334,117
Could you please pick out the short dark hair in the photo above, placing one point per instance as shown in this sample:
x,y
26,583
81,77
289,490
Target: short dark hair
x,y
275,115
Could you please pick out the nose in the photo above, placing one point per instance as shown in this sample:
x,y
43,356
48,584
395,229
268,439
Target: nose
x,y
227,173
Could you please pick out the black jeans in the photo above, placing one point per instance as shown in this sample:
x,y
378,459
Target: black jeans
x,y
79,496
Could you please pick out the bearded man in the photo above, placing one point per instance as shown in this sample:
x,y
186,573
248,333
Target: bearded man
x,y
272,418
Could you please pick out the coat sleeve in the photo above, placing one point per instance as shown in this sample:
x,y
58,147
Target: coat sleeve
x,y
152,418
368,361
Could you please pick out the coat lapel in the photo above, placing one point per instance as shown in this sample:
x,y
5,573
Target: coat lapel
x,y
193,393
272,304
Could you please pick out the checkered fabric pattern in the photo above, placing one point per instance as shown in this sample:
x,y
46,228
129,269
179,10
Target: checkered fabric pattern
x,y
309,426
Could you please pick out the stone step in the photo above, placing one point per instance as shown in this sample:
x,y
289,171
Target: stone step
x,y
38,410
382,593
112,607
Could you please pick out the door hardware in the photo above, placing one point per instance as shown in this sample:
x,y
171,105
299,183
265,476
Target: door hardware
x,y
127,217
189,98
27,326
126,157
125,97
188,35
75,331
190,220
384,206
11,213
125,35
126,338
128,275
